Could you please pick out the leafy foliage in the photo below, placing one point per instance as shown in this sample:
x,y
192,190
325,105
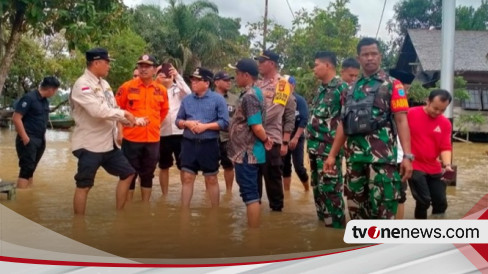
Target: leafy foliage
x,y
334,29
424,14
465,122
81,21
417,93
190,35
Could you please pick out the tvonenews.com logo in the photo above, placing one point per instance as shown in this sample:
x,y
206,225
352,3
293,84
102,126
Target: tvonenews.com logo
x,y
416,231
373,232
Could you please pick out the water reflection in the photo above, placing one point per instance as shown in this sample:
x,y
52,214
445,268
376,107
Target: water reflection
x,y
161,229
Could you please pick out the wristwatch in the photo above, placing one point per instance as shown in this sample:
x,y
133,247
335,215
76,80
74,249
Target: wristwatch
x,y
408,156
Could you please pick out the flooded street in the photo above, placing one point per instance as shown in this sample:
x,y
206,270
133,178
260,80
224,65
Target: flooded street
x,y
161,229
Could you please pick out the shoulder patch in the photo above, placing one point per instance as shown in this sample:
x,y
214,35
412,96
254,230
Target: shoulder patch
x,y
401,92
86,90
24,104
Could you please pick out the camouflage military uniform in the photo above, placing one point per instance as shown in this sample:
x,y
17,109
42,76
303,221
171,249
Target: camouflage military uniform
x,y
372,179
321,129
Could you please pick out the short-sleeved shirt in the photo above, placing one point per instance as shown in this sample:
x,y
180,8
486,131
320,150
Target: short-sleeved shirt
x,y
231,100
429,137
35,113
149,101
95,112
209,108
325,117
380,145
250,110
279,117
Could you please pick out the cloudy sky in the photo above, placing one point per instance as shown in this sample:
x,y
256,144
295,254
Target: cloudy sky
x,y
368,12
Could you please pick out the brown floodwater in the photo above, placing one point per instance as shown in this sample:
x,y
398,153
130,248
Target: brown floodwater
x,y
160,229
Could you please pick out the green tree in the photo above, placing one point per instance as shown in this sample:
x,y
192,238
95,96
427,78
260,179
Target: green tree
x,y
468,18
125,47
423,14
277,36
27,70
415,14
333,29
418,94
190,35
80,19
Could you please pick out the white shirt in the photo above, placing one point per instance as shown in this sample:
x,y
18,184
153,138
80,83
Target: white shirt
x,y
176,93
95,112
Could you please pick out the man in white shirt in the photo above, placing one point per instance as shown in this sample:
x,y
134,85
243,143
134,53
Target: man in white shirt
x,y
171,135
95,112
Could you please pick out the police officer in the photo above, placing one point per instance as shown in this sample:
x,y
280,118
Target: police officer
x,y
371,109
279,124
95,113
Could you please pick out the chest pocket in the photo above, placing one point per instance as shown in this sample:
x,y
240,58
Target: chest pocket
x,y
324,106
134,101
381,104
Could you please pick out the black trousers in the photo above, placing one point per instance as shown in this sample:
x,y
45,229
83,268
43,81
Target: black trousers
x,y
271,171
297,156
428,189
143,157
29,155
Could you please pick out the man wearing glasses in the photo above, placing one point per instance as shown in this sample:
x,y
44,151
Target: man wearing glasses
x,y
201,116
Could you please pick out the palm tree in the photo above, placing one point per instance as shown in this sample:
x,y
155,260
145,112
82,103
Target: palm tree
x,y
191,35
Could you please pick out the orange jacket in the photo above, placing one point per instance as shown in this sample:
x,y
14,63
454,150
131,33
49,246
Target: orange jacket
x,y
143,101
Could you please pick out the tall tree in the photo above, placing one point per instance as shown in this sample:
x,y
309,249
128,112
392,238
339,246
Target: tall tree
x,y
80,19
333,29
424,14
190,35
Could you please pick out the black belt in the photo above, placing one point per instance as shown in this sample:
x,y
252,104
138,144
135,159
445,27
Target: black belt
x,y
200,141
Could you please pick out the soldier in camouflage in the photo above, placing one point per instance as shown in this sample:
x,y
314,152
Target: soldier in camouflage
x,y
325,116
372,178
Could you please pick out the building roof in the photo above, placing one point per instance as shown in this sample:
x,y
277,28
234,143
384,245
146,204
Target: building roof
x,y
470,49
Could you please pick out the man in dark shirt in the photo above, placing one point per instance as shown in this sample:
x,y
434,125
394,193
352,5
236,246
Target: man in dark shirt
x,y
297,141
30,119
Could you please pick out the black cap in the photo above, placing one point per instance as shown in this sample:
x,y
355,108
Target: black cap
x,y
97,54
202,73
402,76
222,75
147,59
247,65
268,55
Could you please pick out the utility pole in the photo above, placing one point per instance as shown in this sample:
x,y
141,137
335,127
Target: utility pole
x,y
447,68
265,27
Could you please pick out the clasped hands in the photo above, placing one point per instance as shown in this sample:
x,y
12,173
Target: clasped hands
x,y
195,126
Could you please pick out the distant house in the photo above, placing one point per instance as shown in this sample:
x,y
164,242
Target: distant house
x,y
421,54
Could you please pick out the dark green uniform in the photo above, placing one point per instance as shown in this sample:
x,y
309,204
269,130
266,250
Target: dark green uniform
x,y
321,130
372,178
